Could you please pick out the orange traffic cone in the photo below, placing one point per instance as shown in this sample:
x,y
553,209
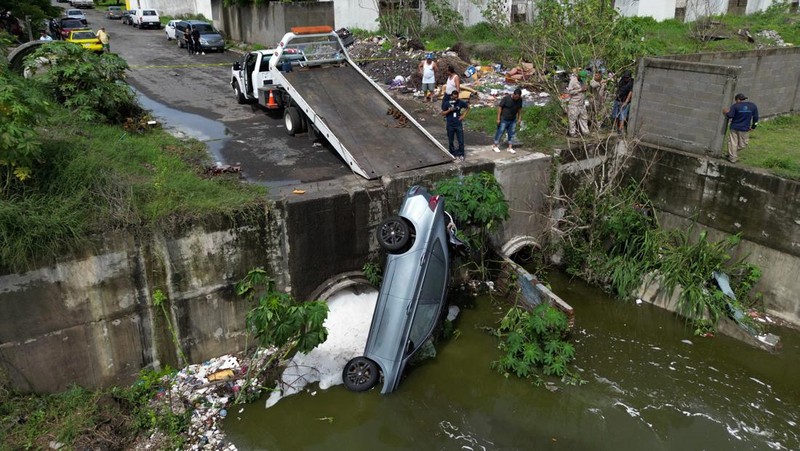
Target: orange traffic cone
x,y
271,103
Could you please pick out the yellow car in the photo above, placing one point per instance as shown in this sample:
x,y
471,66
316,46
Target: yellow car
x,y
86,38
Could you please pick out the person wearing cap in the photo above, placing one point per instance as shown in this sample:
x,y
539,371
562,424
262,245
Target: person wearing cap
x,y
744,117
622,103
103,37
427,69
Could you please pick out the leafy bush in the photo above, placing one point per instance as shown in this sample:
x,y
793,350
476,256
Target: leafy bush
x,y
88,84
535,342
21,110
277,319
613,241
478,206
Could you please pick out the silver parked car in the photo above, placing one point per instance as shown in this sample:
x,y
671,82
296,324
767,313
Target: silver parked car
x,y
413,293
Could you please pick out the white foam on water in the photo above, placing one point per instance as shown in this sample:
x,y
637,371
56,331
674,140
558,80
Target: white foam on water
x,y
349,318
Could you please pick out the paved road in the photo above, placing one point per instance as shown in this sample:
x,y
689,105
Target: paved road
x,y
200,85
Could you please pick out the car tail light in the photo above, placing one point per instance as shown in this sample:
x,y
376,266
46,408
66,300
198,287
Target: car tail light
x,y
433,202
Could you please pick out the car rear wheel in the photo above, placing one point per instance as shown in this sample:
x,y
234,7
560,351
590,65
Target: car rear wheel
x,y
292,120
360,374
394,234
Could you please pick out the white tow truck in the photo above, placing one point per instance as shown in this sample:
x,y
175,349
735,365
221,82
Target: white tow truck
x,y
311,78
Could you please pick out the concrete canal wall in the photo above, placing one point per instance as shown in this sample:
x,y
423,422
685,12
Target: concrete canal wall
x,y
693,192
91,320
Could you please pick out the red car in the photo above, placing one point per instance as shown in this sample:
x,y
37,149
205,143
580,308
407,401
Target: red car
x,y
65,26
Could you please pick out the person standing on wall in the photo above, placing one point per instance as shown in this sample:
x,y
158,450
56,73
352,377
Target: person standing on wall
x,y
509,115
622,102
428,69
455,111
744,117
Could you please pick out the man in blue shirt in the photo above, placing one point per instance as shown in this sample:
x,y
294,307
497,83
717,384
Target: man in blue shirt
x,y
455,110
744,117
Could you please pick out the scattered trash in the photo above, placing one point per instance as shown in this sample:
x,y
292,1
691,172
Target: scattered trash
x,y
298,191
220,168
639,301
687,342
773,35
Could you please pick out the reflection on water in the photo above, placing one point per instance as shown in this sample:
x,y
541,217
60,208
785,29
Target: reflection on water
x,y
650,385
182,124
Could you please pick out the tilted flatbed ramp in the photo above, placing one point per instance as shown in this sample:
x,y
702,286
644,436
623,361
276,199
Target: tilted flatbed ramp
x,y
355,110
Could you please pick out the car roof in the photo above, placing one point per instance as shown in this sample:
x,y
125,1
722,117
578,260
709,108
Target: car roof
x,y
195,22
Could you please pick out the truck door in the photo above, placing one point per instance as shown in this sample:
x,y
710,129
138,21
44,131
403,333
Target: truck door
x,y
249,67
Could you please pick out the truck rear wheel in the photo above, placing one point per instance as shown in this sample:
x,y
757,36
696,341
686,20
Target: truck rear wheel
x,y
292,120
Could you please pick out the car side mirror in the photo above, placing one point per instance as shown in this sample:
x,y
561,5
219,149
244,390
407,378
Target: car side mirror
x,y
237,66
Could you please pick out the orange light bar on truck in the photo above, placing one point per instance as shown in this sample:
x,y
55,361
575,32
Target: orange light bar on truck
x,y
312,30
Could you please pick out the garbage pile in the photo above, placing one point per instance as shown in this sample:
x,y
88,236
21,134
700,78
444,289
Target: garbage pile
x,y
773,35
208,389
398,66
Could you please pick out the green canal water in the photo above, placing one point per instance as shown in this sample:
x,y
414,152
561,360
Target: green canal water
x,y
651,385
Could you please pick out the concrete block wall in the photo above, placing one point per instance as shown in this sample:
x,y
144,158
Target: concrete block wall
x,y
769,77
266,23
679,104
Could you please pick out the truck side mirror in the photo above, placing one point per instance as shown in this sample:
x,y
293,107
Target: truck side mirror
x,y
237,66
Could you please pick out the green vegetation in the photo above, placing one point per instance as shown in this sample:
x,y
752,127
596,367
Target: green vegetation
x,y
278,321
160,300
773,146
613,241
83,419
373,273
69,170
478,206
534,342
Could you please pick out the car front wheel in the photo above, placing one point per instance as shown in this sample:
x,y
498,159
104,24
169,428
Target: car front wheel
x,y
360,374
394,234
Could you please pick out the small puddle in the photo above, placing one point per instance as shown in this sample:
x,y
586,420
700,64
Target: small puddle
x,y
181,124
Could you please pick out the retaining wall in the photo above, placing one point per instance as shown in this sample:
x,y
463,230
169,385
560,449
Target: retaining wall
x,y
91,319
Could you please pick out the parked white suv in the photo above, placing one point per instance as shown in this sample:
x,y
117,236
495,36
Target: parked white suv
x,y
147,18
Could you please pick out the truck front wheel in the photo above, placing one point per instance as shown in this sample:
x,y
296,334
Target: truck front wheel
x,y
292,120
240,99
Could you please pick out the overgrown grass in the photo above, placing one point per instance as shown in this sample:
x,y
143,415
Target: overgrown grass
x,y
773,146
84,419
95,178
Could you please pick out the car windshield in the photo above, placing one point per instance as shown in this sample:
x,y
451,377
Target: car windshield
x,y
115,8
148,12
71,23
74,13
205,28
83,35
